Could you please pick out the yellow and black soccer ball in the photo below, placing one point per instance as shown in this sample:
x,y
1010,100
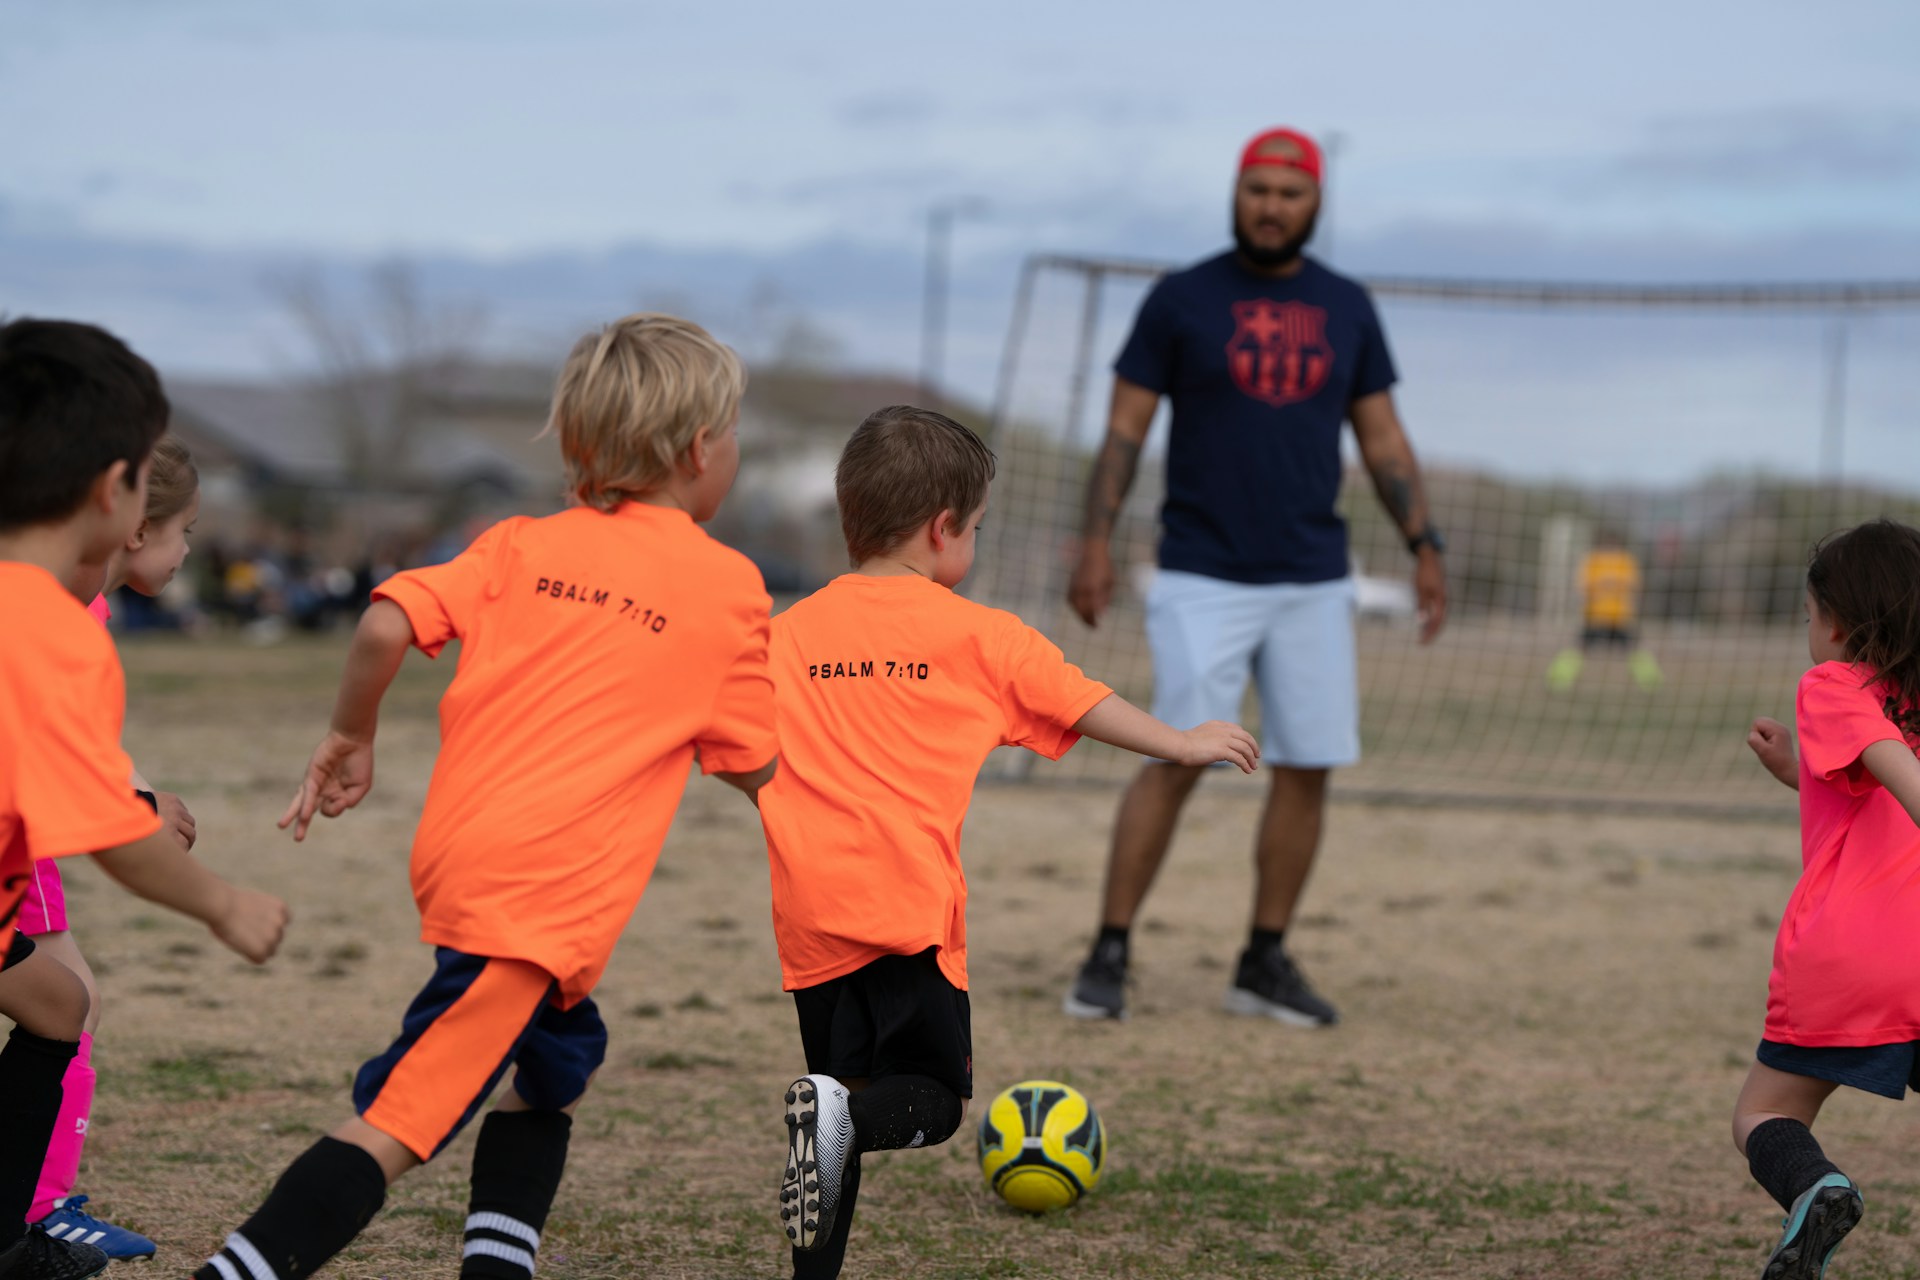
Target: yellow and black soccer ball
x,y
1042,1145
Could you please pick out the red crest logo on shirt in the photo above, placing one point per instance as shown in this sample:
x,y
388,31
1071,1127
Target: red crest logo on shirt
x,y
1279,352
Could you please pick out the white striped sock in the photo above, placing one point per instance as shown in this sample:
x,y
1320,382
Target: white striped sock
x,y
505,1226
242,1248
494,1249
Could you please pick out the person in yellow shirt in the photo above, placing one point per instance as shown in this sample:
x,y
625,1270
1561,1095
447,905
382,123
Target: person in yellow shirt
x,y
1609,615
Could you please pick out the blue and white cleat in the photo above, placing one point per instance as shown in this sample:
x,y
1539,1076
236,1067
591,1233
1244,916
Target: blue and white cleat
x,y
1821,1218
72,1223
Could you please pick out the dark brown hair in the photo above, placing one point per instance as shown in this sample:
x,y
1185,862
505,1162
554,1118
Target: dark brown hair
x,y
172,481
903,467
1867,583
74,400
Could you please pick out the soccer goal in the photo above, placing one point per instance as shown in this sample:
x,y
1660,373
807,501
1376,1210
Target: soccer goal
x,y
1630,480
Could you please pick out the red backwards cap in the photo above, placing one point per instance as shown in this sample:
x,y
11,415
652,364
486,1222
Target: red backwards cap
x,y
1288,148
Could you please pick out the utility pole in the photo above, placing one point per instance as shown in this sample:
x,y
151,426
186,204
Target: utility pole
x,y
1833,426
933,299
1332,144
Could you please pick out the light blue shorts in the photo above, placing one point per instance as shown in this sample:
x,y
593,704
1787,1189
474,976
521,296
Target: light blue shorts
x,y
1207,635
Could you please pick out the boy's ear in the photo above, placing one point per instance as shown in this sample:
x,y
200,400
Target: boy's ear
x,y
110,486
700,451
943,528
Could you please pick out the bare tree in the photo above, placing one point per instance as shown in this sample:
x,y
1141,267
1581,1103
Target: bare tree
x,y
382,362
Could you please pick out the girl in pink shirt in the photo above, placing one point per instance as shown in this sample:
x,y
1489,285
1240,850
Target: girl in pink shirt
x,y
1843,1004
146,563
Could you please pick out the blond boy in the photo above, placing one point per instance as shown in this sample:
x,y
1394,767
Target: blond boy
x,y
892,690
603,650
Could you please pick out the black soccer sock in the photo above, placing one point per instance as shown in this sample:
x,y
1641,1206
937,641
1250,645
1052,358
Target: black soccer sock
x,y
517,1165
31,1069
824,1261
323,1200
1119,933
1785,1159
903,1111
1260,941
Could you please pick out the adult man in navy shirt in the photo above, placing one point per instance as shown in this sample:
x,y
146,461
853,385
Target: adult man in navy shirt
x,y
1264,354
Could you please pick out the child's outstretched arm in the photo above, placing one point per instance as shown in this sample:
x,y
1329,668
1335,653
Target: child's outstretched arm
x,y
341,771
156,868
1119,723
1774,745
1898,770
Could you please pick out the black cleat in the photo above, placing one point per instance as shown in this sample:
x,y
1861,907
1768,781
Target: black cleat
x,y
38,1256
1821,1218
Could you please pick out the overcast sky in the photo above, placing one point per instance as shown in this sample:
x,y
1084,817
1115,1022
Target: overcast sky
x,y
190,144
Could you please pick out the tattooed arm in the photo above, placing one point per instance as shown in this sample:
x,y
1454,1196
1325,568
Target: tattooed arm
x,y
1389,460
1127,421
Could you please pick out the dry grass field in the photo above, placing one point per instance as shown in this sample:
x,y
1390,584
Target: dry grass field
x,y
1548,1016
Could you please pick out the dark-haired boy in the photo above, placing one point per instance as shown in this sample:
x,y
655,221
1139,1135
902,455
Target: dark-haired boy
x,y
891,691
79,413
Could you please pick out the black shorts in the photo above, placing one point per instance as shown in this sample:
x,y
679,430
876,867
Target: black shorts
x,y
1595,637
19,949
896,1016
1886,1069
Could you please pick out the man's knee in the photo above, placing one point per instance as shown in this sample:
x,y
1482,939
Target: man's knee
x,y
1304,783
1173,781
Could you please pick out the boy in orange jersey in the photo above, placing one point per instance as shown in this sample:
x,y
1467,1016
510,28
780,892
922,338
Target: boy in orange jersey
x,y
892,690
79,414
603,650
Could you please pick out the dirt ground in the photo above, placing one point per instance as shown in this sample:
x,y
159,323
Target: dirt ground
x,y
1547,1018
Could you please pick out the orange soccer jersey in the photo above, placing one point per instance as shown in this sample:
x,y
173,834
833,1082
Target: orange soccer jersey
x,y
64,785
892,691
598,653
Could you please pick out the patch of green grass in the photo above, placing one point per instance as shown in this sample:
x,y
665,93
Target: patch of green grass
x,y
205,1073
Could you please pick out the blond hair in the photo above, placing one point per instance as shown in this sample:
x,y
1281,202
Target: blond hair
x,y
630,399
172,481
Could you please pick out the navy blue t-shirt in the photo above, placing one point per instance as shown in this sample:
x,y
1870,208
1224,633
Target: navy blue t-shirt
x,y
1260,371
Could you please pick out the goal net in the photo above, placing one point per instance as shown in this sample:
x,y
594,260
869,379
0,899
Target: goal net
x,y
1684,448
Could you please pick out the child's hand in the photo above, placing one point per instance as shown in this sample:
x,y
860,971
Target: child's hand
x,y
252,924
1774,745
175,818
1215,741
338,778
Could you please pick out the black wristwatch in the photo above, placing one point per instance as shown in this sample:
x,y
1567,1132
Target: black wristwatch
x,y
1427,537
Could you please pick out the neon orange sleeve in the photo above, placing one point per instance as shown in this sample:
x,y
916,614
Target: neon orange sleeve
x,y
741,736
1042,693
72,786
441,600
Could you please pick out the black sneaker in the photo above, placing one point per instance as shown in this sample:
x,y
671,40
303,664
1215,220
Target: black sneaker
x,y
38,1256
1100,991
1270,985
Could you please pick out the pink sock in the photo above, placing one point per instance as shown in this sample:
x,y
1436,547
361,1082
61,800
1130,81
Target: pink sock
x,y
62,1166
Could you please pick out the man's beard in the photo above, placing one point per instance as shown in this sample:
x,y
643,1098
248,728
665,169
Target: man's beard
x,y
1268,259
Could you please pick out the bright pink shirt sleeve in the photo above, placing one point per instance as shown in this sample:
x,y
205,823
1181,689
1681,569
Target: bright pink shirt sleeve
x,y
1840,715
100,610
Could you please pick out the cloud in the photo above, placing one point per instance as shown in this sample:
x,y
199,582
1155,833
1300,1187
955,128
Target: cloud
x,y
1775,148
887,109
